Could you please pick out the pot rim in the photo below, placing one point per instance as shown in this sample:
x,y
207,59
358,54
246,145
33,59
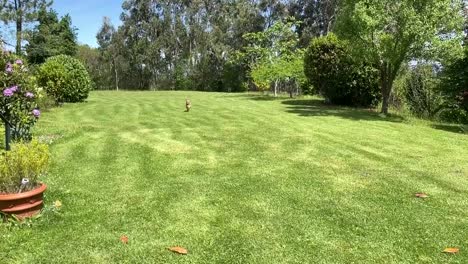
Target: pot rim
x,y
17,196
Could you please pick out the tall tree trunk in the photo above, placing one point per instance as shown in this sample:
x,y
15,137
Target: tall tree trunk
x,y
19,25
116,76
276,88
18,36
387,77
385,97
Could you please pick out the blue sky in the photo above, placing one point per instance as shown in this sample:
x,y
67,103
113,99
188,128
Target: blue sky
x,y
87,16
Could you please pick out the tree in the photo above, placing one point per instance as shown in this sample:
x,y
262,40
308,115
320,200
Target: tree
x,y
91,58
107,48
184,44
422,96
271,53
318,17
21,12
68,45
390,33
285,69
50,37
465,16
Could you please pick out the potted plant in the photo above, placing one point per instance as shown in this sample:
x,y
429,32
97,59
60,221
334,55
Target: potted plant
x,y
21,192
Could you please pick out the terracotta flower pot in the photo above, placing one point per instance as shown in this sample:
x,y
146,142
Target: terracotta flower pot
x,y
25,204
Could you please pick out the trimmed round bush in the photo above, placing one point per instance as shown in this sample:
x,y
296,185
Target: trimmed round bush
x,y
65,78
339,78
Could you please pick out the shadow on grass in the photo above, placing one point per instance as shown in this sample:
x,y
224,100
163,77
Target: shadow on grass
x,y
260,97
317,107
459,129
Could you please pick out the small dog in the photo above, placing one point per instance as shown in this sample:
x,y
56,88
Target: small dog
x,y
188,105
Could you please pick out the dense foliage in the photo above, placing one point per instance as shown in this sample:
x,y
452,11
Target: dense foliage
x,y
337,76
50,37
91,59
21,13
390,33
455,89
18,107
422,91
191,45
21,167
65,78
273,58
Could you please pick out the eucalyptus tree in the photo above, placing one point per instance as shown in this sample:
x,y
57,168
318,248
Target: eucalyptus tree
x,y
140,28
318,17
179,44
107,49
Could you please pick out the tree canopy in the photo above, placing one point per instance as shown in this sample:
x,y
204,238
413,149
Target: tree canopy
x,y
193,44
21,12
50,37
390,33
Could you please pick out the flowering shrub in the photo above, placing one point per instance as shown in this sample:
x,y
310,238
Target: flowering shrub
x,y
21,167
65,78
18,106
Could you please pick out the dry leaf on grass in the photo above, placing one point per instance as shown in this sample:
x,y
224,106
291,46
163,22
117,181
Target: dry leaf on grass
x,y
421,195
451,250
179,250
124,239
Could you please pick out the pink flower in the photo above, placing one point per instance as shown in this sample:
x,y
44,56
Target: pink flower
x,y
9,68
36,113
8,93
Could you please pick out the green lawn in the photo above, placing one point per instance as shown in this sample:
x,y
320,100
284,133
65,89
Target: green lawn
x,y
243,179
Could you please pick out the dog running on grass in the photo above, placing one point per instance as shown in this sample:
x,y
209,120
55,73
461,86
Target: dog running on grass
x,y
188,105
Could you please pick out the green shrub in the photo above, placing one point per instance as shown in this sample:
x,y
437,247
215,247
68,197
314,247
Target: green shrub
x,y
454,112
234,78
24,163
398,95
363,88
65,78
45,101
455,90
421,94
334,74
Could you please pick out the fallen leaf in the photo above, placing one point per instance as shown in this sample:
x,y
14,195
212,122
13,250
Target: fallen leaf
x,y
57,204
124,239
451,250
421,195
179,250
